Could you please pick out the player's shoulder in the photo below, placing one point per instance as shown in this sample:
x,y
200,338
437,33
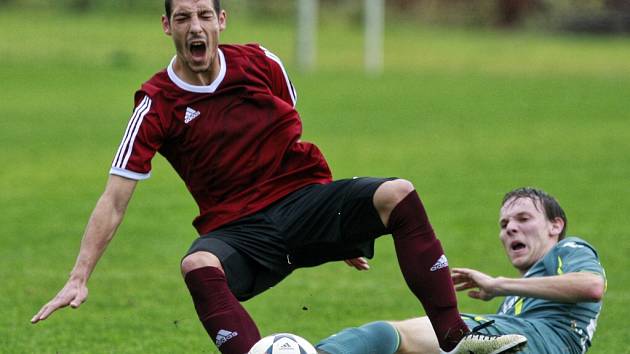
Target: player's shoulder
x,y
251,53
160,89
242,50
572,244
157,84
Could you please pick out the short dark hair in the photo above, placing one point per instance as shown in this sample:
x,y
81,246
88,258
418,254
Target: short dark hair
x,y
168,7
550,205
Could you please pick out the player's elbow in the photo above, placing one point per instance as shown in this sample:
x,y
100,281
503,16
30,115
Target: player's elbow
x,y
595,289
597,294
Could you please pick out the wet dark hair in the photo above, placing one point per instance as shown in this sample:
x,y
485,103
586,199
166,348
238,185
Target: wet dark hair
x,y
550,205
168,7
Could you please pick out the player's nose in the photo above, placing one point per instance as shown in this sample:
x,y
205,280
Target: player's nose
x,y
511,228
195,24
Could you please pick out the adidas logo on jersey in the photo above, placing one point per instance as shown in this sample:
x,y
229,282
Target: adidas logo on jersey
x,y
442,262
190,115
224,336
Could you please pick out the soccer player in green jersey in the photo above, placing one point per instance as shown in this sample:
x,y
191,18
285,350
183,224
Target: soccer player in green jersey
x,y
555,304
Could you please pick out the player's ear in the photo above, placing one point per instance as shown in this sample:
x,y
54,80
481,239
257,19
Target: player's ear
x,y
166,25
557,225
222,20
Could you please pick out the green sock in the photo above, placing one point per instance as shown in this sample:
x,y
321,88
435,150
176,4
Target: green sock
x,y
372,338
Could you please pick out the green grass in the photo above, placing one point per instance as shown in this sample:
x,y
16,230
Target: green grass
x,y
465,115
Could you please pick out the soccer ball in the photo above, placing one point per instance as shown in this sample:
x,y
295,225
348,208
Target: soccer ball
x,y
283,343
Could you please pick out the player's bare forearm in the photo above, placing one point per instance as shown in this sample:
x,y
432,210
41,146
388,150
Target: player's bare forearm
x,y
569,287
105,219
102,225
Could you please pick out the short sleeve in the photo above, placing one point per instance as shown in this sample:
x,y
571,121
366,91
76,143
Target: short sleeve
x,y
576,256
280,83
141,140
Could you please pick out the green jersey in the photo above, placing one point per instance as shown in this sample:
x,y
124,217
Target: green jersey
x,y
551,326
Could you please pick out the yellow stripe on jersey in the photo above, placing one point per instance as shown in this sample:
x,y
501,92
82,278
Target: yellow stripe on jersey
x,y
518,307
559,271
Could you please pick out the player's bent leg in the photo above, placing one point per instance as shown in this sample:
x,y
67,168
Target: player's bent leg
x,y
421,258
228,324
416,336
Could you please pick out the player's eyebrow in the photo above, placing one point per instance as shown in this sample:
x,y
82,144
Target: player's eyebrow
x,y
182,13
517,215
188,12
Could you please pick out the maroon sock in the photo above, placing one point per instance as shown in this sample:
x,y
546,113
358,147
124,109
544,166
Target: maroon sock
x,y
226,321
425,269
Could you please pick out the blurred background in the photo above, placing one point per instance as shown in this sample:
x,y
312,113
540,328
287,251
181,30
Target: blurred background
x,y
466,98
308,22
589,16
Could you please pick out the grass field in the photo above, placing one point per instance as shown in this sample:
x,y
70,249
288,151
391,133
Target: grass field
x,y
464,115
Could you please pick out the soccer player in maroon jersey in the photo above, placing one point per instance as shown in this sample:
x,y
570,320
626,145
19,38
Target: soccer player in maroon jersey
x,y
224,117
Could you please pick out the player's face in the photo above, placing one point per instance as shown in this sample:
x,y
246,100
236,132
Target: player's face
x,y
526,233
195,27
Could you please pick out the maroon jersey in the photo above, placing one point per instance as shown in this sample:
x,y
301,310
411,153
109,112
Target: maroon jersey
x,y
235,143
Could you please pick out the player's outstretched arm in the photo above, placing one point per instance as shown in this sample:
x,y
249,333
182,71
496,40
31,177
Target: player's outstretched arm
x,y
569,287
107,215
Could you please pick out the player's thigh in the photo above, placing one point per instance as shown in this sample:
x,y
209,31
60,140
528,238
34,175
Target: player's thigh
x,y
330,222
360,219
339,212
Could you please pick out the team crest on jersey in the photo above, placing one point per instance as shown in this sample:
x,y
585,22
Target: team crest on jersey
x,y
190,115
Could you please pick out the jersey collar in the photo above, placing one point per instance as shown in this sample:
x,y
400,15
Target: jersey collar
x,y
196,88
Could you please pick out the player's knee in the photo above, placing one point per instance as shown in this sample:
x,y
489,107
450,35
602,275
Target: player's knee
x,y
401,188
390,193
198,260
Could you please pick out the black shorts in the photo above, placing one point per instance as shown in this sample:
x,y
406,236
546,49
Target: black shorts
x,y
313,225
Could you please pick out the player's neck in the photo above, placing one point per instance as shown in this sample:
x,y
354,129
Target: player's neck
x,y
202,78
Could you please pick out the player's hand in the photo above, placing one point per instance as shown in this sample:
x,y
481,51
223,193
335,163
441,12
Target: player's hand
x,y
482,284
74,293
358,263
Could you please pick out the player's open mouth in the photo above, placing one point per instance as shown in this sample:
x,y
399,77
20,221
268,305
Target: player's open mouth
x,y
517,246
197,49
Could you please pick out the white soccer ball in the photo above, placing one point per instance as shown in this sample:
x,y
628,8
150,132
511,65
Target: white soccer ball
x,y
283,343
